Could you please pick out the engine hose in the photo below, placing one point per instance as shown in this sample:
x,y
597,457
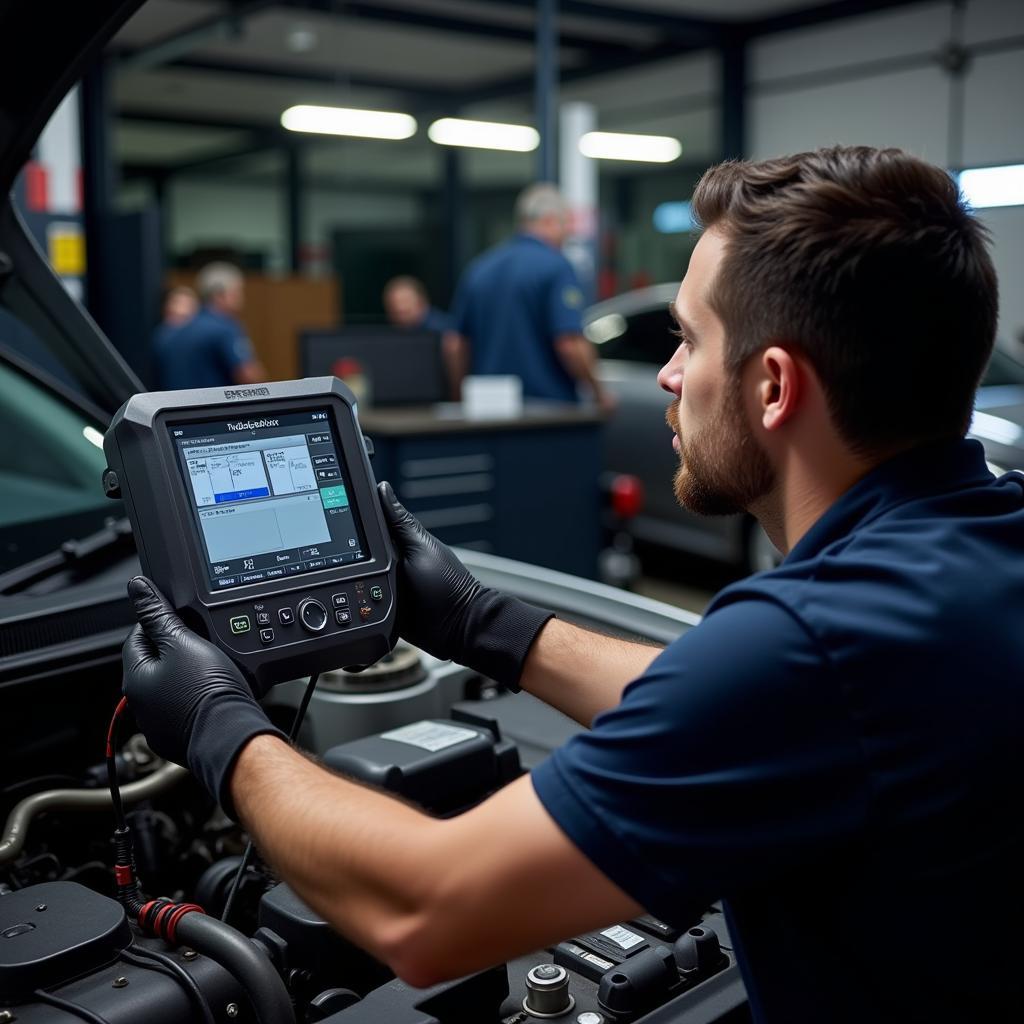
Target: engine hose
x,y
242,958
18,821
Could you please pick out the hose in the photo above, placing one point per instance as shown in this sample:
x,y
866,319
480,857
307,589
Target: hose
x,y
16,829
242,958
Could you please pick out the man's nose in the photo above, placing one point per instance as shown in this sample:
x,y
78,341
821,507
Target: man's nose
x,y
670,376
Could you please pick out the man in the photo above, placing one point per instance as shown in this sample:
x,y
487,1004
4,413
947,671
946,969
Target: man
x,y
518,309
406,305
210,349
835,750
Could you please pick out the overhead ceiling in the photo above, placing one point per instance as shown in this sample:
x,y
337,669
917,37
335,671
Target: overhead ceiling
x,y
195,79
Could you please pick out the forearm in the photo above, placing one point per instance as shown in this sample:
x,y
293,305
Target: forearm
x,y
360,858
433,899
577,356
582,673
455,350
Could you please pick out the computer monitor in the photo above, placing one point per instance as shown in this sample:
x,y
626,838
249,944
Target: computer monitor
x,y
404,367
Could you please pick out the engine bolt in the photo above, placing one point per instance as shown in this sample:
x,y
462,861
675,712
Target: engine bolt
x,y
41,907
119,982
231,1010
189,954
6,1016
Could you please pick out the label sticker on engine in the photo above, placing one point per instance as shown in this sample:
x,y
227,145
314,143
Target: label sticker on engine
x,y
432,736
623,936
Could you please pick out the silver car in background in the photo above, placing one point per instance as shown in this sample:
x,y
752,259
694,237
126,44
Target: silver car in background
x,y
633,335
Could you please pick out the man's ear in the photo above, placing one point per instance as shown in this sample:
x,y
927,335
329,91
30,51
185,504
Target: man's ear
x,y
780,388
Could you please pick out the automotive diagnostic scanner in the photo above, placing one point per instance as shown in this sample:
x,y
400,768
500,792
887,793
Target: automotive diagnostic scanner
x,y
255,511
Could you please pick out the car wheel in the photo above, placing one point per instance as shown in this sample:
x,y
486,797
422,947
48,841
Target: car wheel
x,y
761,553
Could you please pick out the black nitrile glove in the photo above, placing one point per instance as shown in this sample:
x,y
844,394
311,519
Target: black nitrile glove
x,y
187,696
446,611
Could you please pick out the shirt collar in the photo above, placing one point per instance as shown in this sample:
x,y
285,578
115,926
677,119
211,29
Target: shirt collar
x,y
928,469
525,236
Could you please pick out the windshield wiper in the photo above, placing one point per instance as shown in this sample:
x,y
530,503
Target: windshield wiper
x,y
81,556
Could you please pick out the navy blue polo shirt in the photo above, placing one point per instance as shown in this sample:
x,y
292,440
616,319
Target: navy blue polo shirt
x,y
512,303
435,320
204,352
837,752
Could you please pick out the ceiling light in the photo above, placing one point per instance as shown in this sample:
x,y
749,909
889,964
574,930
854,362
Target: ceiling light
x,y
653,149
364,124
993,186
454,131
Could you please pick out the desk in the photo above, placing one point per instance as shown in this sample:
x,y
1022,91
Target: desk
x,y
525,488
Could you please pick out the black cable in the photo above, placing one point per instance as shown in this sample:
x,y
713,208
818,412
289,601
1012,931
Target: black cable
x,y
63,1004
175,970
293,733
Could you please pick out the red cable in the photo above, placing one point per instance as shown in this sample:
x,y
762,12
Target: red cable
x,y
121,705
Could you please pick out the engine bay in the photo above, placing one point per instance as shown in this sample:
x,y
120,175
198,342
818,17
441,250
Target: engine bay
x,y
431,732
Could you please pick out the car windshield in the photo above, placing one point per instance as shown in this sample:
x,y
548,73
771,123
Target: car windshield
x,y
51,462
641,337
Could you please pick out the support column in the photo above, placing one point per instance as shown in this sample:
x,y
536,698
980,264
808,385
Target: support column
x,y
545,95
293,205
734,98
453,210
578,178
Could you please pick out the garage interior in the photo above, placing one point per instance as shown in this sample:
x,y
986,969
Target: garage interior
x,y
321,151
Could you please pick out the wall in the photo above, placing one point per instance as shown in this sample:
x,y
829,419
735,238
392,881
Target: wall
x,y
877,80
208,213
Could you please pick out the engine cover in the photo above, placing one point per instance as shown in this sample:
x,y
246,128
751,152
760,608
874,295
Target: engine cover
x,y
53,932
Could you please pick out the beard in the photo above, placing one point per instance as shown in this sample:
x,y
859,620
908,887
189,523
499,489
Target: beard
x,y
723,470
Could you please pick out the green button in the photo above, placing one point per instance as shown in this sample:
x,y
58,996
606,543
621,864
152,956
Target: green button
x,y
240,624
334,497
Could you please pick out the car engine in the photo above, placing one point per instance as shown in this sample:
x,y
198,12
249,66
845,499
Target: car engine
x,y
432,732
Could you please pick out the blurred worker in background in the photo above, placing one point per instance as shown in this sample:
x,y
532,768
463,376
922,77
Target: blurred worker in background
x,y
407,305
518,309
209,349
180,305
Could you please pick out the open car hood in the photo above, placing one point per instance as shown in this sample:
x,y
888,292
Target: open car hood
x,y
45,48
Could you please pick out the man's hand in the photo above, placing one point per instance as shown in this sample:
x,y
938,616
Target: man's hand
x,y
446,611
187,696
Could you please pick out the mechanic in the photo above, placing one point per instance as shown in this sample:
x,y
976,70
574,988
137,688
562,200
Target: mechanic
x,y
209,349
518,309
407,305
835,750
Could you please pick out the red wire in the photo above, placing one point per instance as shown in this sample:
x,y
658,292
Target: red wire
x,y
121,705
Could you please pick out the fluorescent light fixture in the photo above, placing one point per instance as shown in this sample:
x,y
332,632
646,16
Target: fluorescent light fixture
x,y
363,124
983,187
93,436
651,149
673,218
454,131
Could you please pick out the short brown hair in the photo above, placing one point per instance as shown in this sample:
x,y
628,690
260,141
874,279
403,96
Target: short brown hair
x,y
869,261
406,281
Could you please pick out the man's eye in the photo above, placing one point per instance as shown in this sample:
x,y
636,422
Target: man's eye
x,y
678,334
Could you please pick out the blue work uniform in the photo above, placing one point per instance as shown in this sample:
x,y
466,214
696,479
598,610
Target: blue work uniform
x,y
435,320
837,752
511,305
204,352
